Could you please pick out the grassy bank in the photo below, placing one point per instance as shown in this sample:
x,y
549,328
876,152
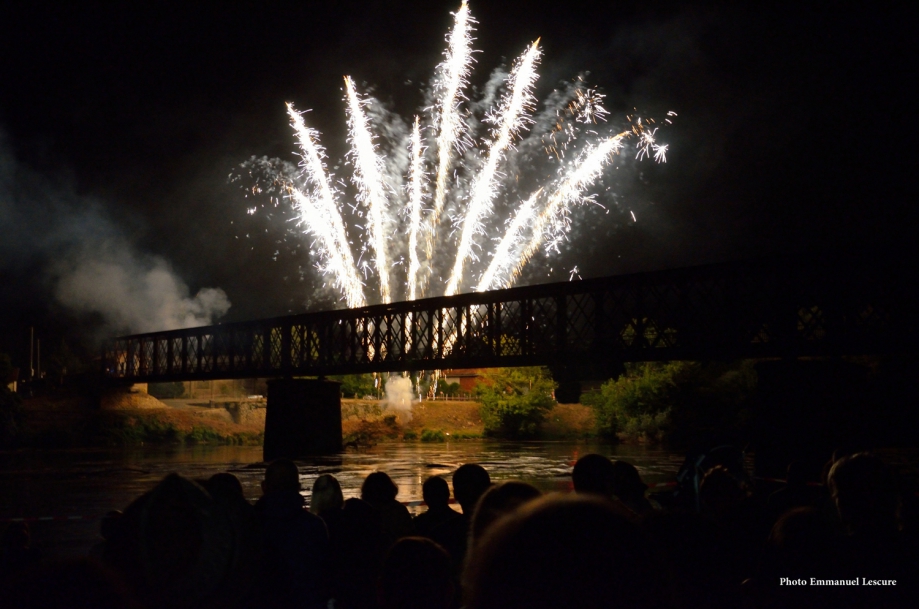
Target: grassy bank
x,y
124,418
63,419
366,422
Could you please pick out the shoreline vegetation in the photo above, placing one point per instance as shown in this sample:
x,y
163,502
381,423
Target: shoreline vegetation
x,y
671,404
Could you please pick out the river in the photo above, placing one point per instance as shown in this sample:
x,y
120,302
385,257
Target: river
x,y
81,485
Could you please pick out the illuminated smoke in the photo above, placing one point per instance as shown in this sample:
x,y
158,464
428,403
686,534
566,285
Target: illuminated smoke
x,y
399,394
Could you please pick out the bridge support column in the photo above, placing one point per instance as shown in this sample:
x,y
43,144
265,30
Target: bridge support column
x,y
303,418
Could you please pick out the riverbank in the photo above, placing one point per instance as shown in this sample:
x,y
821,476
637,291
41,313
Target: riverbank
x,y
62,418
133,417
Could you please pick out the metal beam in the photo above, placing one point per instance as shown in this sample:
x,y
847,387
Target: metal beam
x,y
742,310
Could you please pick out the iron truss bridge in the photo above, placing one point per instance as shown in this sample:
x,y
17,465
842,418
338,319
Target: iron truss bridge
x,y
740,310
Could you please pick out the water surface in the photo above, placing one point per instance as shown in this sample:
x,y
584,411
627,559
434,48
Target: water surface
x,y
87,483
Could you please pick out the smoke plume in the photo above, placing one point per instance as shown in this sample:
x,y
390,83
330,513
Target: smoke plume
x,y
399,394
84,262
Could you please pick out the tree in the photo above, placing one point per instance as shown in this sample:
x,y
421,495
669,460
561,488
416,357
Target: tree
x,y
674,401
515,400
355,385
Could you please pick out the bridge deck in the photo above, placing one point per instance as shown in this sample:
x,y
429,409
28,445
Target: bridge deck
x,y
751,310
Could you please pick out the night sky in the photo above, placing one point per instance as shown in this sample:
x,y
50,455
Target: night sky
x,y
120,122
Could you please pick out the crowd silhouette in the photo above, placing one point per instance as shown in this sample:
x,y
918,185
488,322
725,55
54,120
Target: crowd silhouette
x,y
849,541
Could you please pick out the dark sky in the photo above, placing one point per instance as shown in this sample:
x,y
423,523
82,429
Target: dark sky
x,y
121,121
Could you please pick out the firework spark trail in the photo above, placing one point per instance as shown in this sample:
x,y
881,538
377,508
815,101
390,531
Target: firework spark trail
x,y
571,189
313,217
501,258
416,180
450,127
369,181
326,222
512,114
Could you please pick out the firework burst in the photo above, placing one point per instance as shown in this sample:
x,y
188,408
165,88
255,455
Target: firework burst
x,y
486,184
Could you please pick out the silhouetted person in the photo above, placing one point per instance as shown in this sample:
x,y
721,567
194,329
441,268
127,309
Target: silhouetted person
x,y
796,492
867,498
691,557
416,575
174,545
629,489
326,501
326,496
436,493
499,500
724,502
469,482
225,484
296,541
357,550
108,527
595,475
563,551
801,545
380,491
246,570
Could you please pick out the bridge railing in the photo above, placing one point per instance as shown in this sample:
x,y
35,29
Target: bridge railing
x,y
715,311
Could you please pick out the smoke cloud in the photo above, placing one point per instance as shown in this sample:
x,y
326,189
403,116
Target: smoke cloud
x,y
133,293
84,262
399,394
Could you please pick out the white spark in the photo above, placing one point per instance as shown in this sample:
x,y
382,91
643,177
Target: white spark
x,y
511,116
585,172
416,184
454,72
326,211
369,180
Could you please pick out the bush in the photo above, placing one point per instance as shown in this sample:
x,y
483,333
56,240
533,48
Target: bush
x,y
515,401
672,401
433,435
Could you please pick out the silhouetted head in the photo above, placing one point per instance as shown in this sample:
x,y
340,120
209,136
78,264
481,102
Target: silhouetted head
x,y
865,492
378,488
801,543
469,482
436,492
499,500
183,547
415,575
562,551
224,485
281,476
626,480
593,474
720,492
327,495
110,523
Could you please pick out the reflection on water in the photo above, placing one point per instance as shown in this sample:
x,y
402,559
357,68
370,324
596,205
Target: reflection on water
x,y
88,483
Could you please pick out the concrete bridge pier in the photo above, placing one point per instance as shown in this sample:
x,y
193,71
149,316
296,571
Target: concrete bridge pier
x,y
303,418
